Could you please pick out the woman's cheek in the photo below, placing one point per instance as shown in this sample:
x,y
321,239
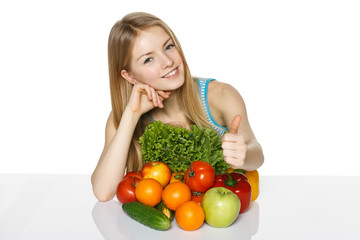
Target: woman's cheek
x,y
149,76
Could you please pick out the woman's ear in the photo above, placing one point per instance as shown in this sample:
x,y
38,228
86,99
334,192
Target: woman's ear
x,y
128,77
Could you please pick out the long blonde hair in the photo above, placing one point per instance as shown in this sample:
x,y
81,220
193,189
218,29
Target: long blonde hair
x,y
120,44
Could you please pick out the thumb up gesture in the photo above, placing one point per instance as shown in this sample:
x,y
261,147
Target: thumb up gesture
x,y
233,144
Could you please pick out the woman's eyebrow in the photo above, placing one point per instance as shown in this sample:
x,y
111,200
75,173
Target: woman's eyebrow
x,y
166,42
152,52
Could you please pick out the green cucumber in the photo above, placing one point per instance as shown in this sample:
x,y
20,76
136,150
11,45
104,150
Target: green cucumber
x,y
147,215
167,212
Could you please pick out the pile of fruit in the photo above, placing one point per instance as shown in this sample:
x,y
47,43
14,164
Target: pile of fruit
x,y
155,196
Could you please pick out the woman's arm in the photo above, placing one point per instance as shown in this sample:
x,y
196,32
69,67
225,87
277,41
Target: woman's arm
x,y
112,163
240,147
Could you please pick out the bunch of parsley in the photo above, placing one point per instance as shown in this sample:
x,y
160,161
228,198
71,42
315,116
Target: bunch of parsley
x,y
178,147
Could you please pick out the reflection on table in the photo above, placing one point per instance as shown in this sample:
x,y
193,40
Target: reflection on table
x,y
114,223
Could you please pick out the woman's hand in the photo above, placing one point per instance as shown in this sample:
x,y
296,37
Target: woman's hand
x,y
233,144
144,98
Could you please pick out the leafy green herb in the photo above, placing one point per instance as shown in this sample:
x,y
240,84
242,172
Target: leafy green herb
x,y
178,147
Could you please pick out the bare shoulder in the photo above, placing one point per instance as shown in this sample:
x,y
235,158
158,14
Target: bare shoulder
x,y
218,89
223,95
225,101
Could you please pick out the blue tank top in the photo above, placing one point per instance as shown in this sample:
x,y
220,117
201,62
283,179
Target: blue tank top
x,y
203,87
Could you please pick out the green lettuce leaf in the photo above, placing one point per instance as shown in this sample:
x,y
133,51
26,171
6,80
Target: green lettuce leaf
x,y
178,147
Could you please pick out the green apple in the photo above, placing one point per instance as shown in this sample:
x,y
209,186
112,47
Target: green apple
x,y
221,207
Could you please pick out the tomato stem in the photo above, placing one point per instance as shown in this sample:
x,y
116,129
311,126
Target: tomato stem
x,y
198,194
191,173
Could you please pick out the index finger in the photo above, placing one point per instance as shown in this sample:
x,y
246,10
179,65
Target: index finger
x,y
164,94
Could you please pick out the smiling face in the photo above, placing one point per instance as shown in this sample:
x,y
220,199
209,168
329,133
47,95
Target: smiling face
x,y
155,61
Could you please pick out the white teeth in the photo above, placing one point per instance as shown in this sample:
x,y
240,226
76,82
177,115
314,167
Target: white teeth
x,y
171,73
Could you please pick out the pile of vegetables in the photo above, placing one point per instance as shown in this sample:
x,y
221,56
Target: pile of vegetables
x,y
154,196
185,178
179,147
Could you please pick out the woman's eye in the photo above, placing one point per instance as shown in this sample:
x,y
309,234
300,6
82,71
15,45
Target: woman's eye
x,y
148,60
170,46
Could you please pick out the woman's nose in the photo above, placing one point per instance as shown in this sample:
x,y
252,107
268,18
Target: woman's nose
x,y
167,61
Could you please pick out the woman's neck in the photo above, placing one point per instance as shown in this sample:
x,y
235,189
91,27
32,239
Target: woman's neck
x,y
171,113
171,105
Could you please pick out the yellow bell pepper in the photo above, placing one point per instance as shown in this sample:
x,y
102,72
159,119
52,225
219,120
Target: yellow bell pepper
x,y
253,178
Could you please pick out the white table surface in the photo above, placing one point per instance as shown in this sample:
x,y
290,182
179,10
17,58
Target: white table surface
x,y
41,206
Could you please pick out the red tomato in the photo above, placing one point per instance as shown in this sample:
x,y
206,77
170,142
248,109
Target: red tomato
x,y
197,197
133,174
126,189
200,176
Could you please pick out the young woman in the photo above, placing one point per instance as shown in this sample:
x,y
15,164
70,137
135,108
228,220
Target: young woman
x,y
150,80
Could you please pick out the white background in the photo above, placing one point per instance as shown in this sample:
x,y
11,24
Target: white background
x,y
296,64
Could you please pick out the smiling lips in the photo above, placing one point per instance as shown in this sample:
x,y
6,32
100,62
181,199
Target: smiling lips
x,y
171,74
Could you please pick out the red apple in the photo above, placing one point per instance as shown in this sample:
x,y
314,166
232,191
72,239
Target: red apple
x,y
158,171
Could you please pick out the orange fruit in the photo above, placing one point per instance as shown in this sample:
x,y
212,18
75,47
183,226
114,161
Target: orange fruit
x,y
190,216
175,194
148,191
